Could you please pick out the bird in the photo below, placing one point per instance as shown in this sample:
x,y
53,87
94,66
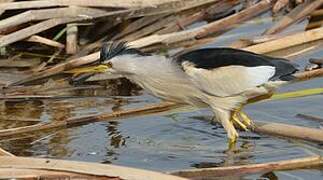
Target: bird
x,y
220,78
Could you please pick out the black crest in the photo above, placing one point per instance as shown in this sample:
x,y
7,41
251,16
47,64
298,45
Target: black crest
x,y
116,48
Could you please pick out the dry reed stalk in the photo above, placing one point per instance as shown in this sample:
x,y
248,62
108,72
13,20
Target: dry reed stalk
x,y
180,24
177,24
202,31
83,120
318,12
34,29
19,173
83,168
310,117
280,4
287,41
44,25
90,3
150,28
78,12
42,40
43,14
5,153
10,63
177,6
243,43
71,39
139,24
159,25
315,24
241,170
231,21
306,75
50,60
290,131
295,15
4,1
60,68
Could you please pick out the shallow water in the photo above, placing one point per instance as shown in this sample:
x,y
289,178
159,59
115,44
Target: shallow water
x,y
163,142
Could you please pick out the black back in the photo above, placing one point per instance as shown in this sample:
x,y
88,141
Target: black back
x,y
211,58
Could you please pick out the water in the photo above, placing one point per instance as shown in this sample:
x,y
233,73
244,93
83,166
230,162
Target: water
x,y
162,142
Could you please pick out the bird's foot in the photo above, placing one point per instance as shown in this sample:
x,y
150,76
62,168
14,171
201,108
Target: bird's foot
x,y
236,120
242,120
246,120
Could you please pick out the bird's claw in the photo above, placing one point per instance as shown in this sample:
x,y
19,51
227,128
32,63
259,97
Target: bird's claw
x,y
246,120
242,120
237,121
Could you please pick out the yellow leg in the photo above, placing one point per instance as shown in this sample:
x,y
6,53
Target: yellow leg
x,y
232,142
225,118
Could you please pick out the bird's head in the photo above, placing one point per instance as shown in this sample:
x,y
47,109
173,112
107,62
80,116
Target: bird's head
x,y
115,58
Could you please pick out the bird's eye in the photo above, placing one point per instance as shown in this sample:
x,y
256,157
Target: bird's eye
x,y
109,65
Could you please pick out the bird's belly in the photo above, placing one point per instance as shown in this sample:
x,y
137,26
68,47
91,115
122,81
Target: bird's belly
x,y
176,91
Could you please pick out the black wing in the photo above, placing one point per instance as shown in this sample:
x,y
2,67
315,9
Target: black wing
x,y
211,58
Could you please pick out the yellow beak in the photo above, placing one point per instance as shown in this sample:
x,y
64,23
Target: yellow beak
x,y
90,69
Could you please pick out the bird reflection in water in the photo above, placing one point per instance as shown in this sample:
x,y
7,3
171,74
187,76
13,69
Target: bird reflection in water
x,y
115,141
239,156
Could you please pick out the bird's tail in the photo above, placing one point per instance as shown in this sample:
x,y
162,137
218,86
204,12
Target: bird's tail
x,y
296,94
